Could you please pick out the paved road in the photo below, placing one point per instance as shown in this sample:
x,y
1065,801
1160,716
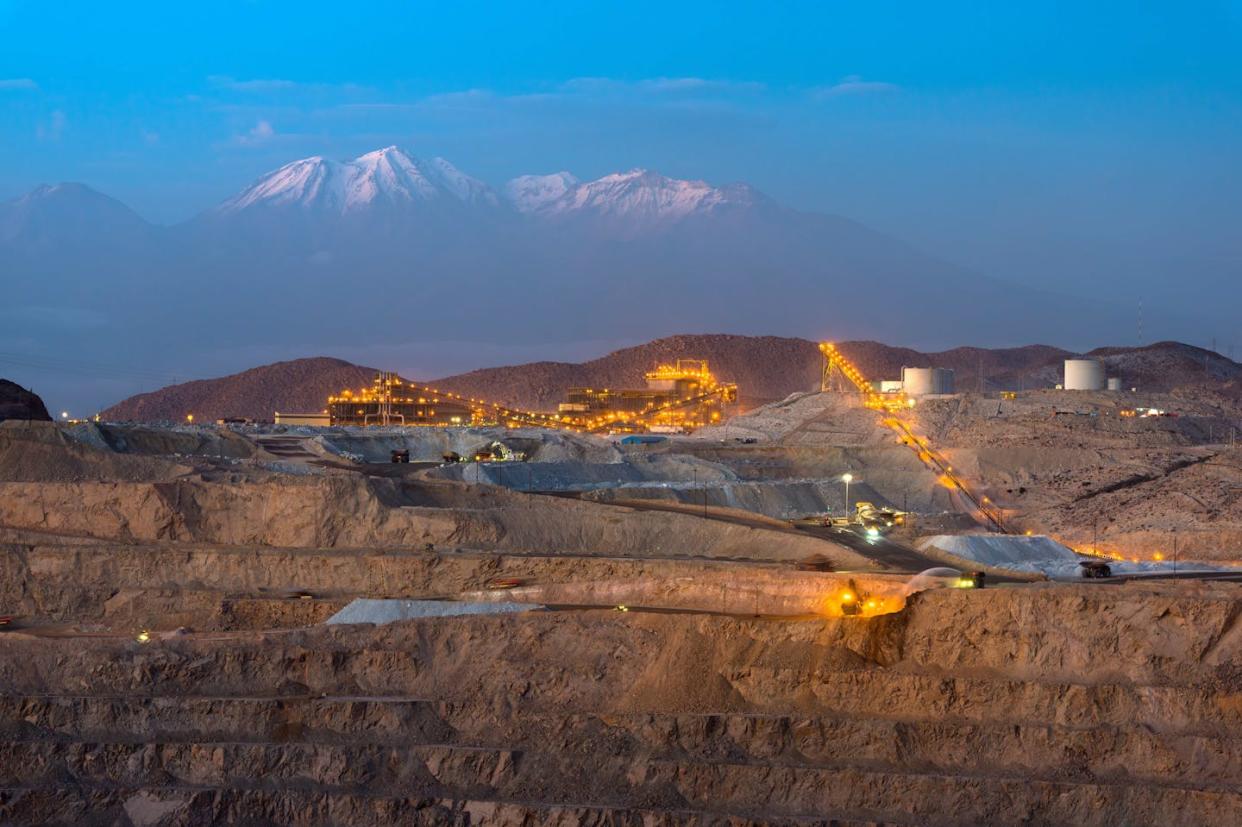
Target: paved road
x,y
890,554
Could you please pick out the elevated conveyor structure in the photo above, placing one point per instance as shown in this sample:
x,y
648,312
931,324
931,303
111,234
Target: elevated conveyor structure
x,y
837,367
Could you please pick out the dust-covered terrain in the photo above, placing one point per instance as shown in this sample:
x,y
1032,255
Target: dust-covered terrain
x,y
698,652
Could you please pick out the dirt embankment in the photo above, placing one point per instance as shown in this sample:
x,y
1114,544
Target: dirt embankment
x,y
353,512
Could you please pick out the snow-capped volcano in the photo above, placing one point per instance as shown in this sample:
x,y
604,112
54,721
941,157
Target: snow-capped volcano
x,y
386,177
73,209
638,195
392,179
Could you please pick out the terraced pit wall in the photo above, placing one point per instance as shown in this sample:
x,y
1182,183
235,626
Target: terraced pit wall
x,y
967,708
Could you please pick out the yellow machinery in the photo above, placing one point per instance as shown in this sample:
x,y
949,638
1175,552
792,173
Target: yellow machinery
x,y
869,516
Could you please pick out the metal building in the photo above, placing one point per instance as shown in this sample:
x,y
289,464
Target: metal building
x,y
924,381
1114,383
1083,375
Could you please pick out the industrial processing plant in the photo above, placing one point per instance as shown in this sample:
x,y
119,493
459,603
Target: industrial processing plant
x,y
678,397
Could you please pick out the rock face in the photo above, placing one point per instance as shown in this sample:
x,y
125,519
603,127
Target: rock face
x,y
18,403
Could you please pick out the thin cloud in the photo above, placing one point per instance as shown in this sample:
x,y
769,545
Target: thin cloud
x,y
467,97
854,85
261,133
660,85
692,84
255,85
262,130
53,129
18,83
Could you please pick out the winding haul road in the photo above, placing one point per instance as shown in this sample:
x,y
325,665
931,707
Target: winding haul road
x,y
889,555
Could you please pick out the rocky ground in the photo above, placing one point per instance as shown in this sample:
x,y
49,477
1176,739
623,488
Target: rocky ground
x,y
19,403
169,663
1071,465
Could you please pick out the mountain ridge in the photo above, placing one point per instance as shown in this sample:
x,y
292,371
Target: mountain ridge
x,y
765,367
392,176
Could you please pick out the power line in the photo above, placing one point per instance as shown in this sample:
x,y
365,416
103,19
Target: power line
x,y
85,368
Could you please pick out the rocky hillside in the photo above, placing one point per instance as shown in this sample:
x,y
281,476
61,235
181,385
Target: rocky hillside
x,y
297,385
18,403
765,367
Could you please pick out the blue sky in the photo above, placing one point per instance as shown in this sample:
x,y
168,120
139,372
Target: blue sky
x,y
1054,142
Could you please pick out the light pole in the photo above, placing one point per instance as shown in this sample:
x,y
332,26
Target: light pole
x,y
847,478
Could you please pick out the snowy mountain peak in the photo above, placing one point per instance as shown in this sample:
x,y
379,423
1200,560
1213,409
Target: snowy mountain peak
x,y
530,193
392,179
388,176
638,194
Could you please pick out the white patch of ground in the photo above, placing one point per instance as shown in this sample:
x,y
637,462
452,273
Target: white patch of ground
x,y
364,610
1041,555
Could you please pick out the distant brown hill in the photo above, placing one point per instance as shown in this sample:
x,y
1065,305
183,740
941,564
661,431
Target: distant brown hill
x,y
297,385
765,368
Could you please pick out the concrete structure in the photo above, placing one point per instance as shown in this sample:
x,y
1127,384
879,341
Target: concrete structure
x,y
1114,383
923,381
1084,375
643,439
322,419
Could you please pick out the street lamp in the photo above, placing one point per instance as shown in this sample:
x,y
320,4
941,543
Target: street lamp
x,y
847,478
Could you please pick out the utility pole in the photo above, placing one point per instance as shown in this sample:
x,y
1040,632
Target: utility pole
x,y
1175,551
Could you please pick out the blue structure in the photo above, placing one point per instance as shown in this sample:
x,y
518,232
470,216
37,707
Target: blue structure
x,y
642,439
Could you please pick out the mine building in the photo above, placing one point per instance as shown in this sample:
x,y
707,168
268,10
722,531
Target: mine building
x,y
682,395
392,401
678,397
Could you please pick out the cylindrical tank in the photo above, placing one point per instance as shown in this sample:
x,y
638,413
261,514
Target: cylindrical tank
x,y
1084,375
1114,383
923,381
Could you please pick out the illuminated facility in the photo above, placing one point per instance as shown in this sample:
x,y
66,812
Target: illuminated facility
x,y
679,396
684,394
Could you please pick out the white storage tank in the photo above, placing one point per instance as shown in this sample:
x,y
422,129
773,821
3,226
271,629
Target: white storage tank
x,y
1084,375
924,381
1114,383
